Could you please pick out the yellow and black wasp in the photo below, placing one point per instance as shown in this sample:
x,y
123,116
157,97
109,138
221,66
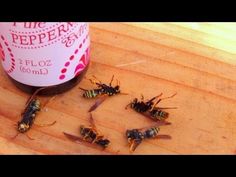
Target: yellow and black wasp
x,y
90,134
33,106
136,136
103,91
149,108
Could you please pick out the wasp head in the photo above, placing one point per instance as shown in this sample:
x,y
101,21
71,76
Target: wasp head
x,y
103,142
117,89
135,101
81,129
22,127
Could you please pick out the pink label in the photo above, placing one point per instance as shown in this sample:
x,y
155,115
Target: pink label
x,y
43,53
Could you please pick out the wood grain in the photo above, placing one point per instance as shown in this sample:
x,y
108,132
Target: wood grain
x,y
196,60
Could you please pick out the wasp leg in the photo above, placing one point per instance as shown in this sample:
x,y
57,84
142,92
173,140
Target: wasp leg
x,y
129,140
34,95
117,82
45,125
126,107
48,101
142,97
25,135
15,136
149,101
134,145
111,80
85,137
93,81
91,120
98,138
159,100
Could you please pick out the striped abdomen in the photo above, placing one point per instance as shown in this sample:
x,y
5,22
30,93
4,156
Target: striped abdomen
x,y
159,114
92,93
151,133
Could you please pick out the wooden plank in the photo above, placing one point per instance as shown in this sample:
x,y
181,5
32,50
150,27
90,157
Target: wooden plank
x,y
146,60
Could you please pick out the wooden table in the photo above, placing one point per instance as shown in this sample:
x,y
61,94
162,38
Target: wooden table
x,y
195,60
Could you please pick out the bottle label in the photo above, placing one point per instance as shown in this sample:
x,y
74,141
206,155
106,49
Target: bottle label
x,y
44,53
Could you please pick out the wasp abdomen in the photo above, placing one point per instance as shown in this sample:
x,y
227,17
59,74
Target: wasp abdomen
x,y
159,114
151,133
92,93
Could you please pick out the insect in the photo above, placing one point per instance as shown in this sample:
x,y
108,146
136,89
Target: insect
x,y
136,136
33,106
149,108
90,134
141,106
103,91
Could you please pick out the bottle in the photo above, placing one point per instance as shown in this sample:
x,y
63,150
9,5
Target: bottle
x,y
45,54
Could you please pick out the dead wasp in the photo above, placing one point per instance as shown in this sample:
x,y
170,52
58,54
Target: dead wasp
x,y
90,134
149,108
103,90
33,106
136,136
141,106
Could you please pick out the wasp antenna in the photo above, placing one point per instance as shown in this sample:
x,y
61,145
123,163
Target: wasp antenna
x,y
159,95
29,137
96,78
83,89
15,136
45,125
34,94
170,96
111,80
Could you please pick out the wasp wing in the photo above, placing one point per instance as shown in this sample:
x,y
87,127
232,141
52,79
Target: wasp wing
x,y
97,103
163,137
77,139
